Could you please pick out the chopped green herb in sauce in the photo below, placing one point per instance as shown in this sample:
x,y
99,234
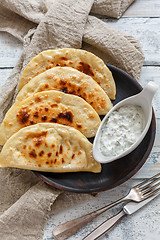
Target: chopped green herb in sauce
x,y
121,130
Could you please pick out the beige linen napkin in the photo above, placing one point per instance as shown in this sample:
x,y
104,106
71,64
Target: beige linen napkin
x,y
24,200
34,10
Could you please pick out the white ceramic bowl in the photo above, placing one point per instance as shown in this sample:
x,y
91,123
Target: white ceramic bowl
x,y
144,100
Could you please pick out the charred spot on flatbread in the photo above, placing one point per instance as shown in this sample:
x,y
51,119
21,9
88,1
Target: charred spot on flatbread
x,y
83,61
72,152
51,107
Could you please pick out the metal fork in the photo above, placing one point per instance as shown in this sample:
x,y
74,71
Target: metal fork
x,y
137,194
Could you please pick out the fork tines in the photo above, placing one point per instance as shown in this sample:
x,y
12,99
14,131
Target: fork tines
x,y
148,187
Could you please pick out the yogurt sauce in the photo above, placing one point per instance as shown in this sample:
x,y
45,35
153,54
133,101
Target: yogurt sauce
x,y
121,130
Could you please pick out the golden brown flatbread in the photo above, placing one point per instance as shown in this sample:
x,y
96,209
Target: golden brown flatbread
x,y
79,59
68,80
50,106
49,147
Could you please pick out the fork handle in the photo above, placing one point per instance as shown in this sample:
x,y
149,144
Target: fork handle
x,y
65,230
104,227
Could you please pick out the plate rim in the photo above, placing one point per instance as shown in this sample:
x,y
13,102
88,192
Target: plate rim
x,y
124,179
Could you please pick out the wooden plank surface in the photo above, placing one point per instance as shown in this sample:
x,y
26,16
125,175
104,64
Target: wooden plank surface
x,y
152,73
147,31
142,20
144,8
10,50
4,73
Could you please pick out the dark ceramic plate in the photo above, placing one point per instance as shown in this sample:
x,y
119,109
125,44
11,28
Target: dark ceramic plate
x,y
116,172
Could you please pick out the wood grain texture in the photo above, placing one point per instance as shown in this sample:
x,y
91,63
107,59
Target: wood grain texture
x,y
4,73
10,50
151,73
142,20
144,8
147,31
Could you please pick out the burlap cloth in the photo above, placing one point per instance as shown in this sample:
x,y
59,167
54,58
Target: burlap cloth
x,y
25,201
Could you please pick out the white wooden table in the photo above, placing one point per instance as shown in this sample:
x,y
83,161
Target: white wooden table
x,y
142,20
